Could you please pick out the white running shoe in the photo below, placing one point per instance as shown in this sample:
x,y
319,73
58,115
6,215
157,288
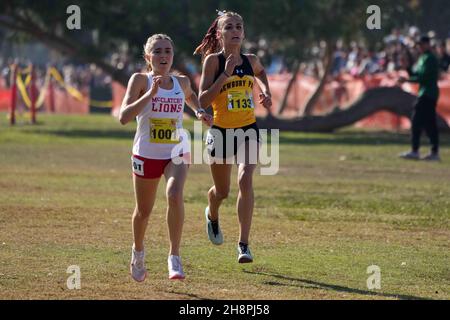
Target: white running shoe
x,y
213,229
137,266
412,155
244,254
175,268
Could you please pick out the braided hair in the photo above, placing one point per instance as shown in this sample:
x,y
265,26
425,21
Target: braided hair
x,y
210,44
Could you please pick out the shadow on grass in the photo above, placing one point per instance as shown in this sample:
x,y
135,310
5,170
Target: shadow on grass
x,y
357,138
89,134
305,139
310,284
189,295
348,138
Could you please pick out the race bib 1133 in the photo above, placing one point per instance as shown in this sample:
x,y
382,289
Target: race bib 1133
x,y
240,101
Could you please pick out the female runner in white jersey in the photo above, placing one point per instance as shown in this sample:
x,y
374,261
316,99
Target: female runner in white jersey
x,y
157,100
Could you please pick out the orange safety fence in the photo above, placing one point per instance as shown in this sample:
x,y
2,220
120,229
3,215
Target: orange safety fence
x,y
55,94
64,102
340,91
5,99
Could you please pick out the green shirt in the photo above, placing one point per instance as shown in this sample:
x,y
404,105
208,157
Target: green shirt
x,y
426,74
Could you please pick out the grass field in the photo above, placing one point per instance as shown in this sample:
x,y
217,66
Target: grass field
x,y
340,203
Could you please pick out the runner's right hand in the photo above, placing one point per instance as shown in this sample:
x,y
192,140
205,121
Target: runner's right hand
x,y
156,81
231,63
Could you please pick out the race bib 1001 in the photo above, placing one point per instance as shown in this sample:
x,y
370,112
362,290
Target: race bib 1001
x,y
164,130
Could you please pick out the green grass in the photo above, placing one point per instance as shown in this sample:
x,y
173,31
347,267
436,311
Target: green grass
x,y
340,203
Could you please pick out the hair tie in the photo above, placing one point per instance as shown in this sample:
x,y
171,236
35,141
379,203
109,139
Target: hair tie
x,y
220,13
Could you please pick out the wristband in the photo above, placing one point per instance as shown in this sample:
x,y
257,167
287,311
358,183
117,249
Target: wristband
x,y
199,110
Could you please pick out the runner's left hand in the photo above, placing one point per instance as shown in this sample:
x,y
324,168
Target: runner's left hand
x,y
205,118
265,100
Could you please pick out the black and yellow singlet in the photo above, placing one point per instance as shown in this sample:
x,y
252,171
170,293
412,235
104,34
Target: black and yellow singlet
x,y
234,106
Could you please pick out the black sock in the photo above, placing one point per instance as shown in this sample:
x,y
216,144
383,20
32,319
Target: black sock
x,y
213,221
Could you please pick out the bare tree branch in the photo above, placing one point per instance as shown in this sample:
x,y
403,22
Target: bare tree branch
x,y
390,99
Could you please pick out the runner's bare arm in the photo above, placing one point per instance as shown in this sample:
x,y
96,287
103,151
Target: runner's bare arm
x,y
189,94
192,101
209,88
265,97
260,74
135,98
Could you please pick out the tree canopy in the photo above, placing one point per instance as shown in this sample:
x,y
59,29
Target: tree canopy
x,y
290,27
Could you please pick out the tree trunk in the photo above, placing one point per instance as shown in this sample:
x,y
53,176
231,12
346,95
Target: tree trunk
x,y
328,63
391,99
283,102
